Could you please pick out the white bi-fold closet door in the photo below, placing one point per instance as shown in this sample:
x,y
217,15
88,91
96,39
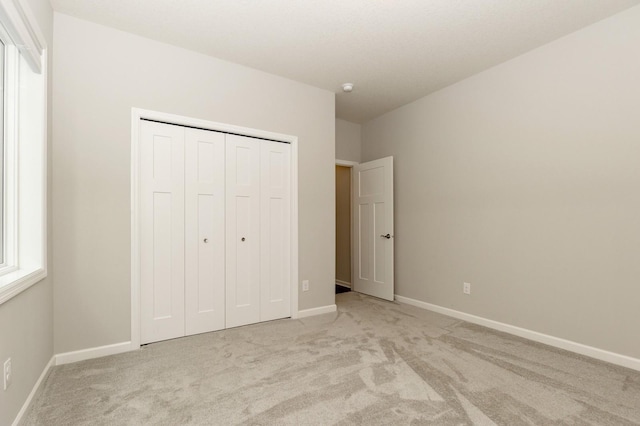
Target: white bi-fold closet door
x,y
215,231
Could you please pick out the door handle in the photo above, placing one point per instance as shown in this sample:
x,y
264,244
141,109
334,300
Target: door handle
x,y
387,236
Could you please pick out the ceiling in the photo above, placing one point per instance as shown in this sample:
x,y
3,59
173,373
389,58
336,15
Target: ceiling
x,y
394,51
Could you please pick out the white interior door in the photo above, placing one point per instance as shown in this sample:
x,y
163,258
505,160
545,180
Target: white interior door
x,y
205,231
242,230
372,207
162,232
275,230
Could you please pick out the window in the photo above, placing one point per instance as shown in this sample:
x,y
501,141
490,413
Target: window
x,y
22,150
2,191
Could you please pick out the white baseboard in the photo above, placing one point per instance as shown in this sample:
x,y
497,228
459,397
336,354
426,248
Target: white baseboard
x,y
316,311
590,351
36,386
343,283
81,355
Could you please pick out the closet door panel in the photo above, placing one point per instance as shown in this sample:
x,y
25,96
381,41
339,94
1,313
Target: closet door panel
x,y
243,235
205,231
162,232
275,232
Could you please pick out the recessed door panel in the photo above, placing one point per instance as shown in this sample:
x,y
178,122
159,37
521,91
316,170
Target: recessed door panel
x,y
363,241
243,287
162,156
206,254
276,246
205,231
371,182
208,152
243,166
162,262
379,244
277,163
162,232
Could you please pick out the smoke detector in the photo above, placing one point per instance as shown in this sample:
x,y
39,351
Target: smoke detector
x,y
347,87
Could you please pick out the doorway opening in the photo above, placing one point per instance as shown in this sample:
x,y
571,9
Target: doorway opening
x,y
364,227
343,272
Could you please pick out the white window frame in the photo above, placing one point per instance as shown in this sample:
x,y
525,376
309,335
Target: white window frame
x,y
25,150
9,222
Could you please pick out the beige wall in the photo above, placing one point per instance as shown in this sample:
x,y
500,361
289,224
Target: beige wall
x,y
348,140
343,224
524,180
26,321
99,74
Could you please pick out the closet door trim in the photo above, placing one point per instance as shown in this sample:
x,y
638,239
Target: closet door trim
x,y
137,116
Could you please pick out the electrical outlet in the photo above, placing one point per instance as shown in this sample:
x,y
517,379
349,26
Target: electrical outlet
x,y
466,288
305,285
7,373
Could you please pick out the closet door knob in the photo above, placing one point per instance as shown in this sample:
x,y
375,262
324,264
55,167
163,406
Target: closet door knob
x,y
388,236
206,240
242,238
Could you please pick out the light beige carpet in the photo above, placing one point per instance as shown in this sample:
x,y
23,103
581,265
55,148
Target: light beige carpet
x,y
373,362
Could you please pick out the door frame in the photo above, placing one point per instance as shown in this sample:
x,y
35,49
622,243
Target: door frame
x,y
136,115
349,164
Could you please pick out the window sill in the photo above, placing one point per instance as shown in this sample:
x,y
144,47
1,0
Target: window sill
x,y
18,281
